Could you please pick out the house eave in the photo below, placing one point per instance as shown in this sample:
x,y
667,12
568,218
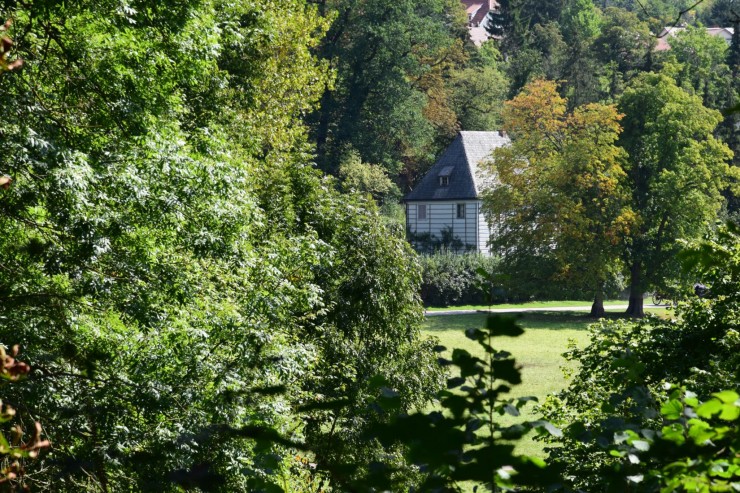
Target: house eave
x,y
446,199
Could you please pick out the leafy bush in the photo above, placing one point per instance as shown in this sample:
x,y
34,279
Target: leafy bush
x,y
170,255
450,279
538,277
629,369
695,449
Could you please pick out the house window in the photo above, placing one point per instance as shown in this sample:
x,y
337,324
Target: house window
x,y
421,211
444,175
461,211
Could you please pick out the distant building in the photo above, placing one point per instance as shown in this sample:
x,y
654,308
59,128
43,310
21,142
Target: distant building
x,y
445,207
670,31
477,11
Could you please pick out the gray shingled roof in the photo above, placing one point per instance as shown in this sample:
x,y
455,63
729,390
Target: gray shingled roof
x,y
463,155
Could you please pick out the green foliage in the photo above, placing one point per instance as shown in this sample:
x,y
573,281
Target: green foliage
x,y
580,24
170,256
513,21
696,449
623,48
561,193
357,176
450,279
370,326
390,101
580,20
479,89
677,170
720,13
702,69
625,377
657,13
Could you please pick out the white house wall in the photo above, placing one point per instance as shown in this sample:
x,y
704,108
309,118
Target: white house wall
x,y
484,231
472,230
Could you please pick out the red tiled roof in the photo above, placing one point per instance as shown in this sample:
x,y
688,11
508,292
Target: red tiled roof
x,y
471,7
477,10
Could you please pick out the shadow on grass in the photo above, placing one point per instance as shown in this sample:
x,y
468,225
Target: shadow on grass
x,y
555,320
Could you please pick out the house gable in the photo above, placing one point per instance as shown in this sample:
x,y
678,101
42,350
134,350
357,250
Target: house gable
x,y
459,163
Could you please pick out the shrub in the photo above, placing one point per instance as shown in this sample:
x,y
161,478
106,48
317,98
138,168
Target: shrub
x,y
452,279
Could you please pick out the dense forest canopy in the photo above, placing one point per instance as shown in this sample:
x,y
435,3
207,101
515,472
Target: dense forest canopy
x,y
203,260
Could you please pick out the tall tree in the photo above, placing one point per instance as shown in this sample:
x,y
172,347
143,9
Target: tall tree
x,y
731,124
512,21
720,13
390,100
657,13
701,65
580,23
677,169
479,90
561,188
623,48
543,57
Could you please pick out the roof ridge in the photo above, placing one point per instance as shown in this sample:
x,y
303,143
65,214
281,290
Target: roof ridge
x,y
467,149
470,165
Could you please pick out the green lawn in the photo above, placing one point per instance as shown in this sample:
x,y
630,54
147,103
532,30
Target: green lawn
x,y
538,351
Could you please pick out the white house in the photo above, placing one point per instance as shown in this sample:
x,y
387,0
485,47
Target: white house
x,y
477,11
671,31
445,206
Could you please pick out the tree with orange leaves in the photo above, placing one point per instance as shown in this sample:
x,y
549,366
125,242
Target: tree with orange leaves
x,y
560,195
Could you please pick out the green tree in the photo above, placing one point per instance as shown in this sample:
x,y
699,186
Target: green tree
x,y
544,57
170,256
357,176
657,13
702,67
731,124
676,170
479,89
512,21
561,187
580,23
390,100
623,48
721,13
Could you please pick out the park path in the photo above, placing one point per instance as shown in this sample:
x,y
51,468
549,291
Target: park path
x,y
585,308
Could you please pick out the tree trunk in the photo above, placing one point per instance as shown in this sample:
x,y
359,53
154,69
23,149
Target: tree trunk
x,y
597,309
635,307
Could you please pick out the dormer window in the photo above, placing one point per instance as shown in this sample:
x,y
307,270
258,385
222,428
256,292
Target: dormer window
x,y
444,176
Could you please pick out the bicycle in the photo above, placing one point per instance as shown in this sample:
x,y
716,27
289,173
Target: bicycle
x,y
660,299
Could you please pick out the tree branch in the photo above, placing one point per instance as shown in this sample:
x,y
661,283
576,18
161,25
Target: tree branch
x,y
678,18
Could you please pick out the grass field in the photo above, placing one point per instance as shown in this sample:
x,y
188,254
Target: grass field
x,y
524,306
538,351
